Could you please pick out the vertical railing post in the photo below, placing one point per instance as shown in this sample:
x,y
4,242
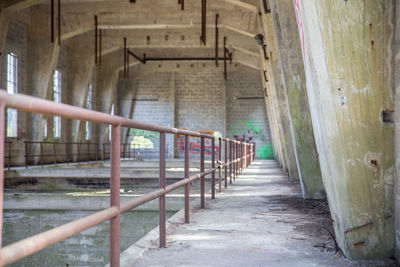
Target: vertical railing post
x,y
230,161
41,153
2,140
97,151
226,160
236,158
202,180
219,165
66,153
79,151
233,159
213,167
162,185
9,155
55,153
187,175
115,194
26,155
88,151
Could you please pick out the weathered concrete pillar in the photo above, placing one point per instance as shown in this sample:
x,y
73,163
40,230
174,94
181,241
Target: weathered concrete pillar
x,y
346,47
279,100
106,89
125,100
4,22
80,77
294,85
43,58
396,53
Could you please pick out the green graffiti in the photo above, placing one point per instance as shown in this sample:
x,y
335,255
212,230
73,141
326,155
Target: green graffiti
x,y
243,126
266,152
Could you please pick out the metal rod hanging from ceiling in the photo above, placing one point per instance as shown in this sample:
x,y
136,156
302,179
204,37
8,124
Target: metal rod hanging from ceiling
x,y
225,75
216,39
59,21
52,20
100,44
95,38
125,58
203,20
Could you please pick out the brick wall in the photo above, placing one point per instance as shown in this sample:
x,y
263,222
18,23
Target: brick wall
x,y
247,118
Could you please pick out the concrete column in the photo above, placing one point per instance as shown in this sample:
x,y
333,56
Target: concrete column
x,y
346,48
80,73
43,58
279,99
294,85
396,53
106,89
125,100
4,21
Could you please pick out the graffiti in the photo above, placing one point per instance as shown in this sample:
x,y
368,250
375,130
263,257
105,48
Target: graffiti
x,y
251,131
248,131
195,145
266,152
143,139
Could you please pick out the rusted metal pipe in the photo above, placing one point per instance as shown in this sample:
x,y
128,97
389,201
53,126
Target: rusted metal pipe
x,y
230,161
216,39
27,103
213,167
202,182
100,45
203,21
125,55
187,174
162,185
225,74
59,21
96,26
115,194
226,161
137,57
52,20
220,168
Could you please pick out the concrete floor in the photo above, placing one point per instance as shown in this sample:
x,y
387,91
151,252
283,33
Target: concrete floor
x,y
243,227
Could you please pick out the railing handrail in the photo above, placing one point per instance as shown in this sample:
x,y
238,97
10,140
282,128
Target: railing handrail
x,y
45,107
33,244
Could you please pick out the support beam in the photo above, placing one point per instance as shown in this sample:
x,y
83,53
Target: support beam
x,y
243,5
238,48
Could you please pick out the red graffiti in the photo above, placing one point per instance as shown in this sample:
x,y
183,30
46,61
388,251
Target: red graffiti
x,y
195,147
301,29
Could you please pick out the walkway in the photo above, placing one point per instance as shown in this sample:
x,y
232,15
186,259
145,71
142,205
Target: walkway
x,y
256,222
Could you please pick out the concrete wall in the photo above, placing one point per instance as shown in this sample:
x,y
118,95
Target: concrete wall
x,y
349,71
247,118
198,99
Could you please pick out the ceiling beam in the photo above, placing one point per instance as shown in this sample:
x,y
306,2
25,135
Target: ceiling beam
x,y
15,6
241,49
244,5
88,28
247,64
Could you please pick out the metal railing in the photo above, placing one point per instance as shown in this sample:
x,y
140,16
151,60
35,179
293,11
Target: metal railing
x,y
243,155
131,153
82,150
8,156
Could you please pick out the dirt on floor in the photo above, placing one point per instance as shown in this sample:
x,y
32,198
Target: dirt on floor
x,y
318,225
